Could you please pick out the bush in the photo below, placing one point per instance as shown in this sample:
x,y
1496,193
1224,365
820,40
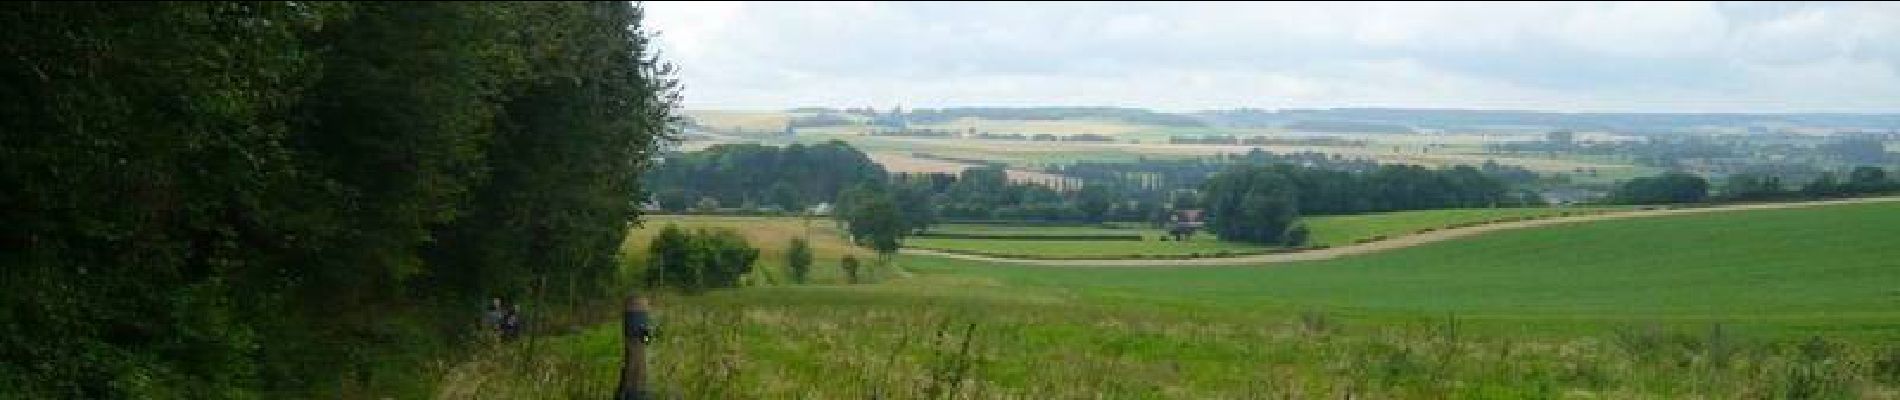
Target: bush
x,y
850,266
798,260
700,260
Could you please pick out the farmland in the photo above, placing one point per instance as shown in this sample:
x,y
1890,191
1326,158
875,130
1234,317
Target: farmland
x,y
772,235
1138,140
1772,303
1332,230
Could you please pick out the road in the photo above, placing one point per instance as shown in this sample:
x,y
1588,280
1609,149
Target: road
x,y
1397,242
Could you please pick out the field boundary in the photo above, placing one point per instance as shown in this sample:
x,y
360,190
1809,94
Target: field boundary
x,y
1392,243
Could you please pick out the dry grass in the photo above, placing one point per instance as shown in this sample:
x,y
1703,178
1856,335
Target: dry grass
x,y
772,235
1057,127
899,162
747,120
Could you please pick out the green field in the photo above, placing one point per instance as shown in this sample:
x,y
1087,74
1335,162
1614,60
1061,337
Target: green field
x,y
1329,230
1336,230
1150,245
1755,304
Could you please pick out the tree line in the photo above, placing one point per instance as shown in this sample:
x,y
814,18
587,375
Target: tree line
x,y
1263,204
238,199
1680,187
752,176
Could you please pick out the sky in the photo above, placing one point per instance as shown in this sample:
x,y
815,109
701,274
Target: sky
x,y
1176,56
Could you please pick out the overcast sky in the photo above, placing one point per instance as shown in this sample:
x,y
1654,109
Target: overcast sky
x,y
1645,57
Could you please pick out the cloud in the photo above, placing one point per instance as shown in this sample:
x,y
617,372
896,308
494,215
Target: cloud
x,y
1724,57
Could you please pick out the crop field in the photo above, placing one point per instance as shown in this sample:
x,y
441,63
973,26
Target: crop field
x,y
1032,152
1796,303
771,121
1436,150
1053,127
904,162
1327,230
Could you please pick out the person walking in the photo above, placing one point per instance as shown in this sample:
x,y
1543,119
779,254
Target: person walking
x,y
492,317
511,323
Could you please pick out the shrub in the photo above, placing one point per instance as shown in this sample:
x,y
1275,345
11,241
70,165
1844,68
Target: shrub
x,y
850,266
798,259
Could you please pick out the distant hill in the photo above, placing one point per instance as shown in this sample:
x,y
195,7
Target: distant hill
x,y
1453,119
1373,120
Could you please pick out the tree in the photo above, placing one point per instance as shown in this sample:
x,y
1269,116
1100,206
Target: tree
x,y
791,177
850,266
1753,187
699,260
784,196
1094,201
1253,204
208,199
798,259
729,257
1823,186
672,260
1866,179
917,205
1673,187
674,200
873,219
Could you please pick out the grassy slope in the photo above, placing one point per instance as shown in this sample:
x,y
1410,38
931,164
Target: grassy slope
x,y
1541,314
1827,268
1335,230
1332,230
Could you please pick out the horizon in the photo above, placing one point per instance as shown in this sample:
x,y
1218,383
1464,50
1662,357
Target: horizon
x,y
1718,58
1163,111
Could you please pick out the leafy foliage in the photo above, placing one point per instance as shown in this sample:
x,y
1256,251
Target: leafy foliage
x,y
1261,204
224,199
798,259
696,261
791,177
1668,188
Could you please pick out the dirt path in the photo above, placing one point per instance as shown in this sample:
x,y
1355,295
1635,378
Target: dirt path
x,y
1398,242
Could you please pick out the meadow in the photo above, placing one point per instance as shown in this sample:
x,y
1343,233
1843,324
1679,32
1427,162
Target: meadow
x,y
1327,230
1796,303
771,235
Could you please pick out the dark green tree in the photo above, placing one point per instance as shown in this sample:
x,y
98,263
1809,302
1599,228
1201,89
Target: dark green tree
x,y
1669,188
1823,186
850,266
1094,201
672,260
798,259
1868,179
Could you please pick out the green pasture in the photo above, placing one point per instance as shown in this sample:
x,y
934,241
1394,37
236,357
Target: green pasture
x,y
1328,230
1798,303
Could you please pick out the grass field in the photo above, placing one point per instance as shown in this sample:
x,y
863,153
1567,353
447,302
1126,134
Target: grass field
x,y
1150,245
1798,303
1328,230
1336,230
772,235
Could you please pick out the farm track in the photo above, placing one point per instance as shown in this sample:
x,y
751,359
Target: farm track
x,y
1395,242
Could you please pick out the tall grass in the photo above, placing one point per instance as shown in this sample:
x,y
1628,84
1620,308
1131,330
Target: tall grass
x,y
853,343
